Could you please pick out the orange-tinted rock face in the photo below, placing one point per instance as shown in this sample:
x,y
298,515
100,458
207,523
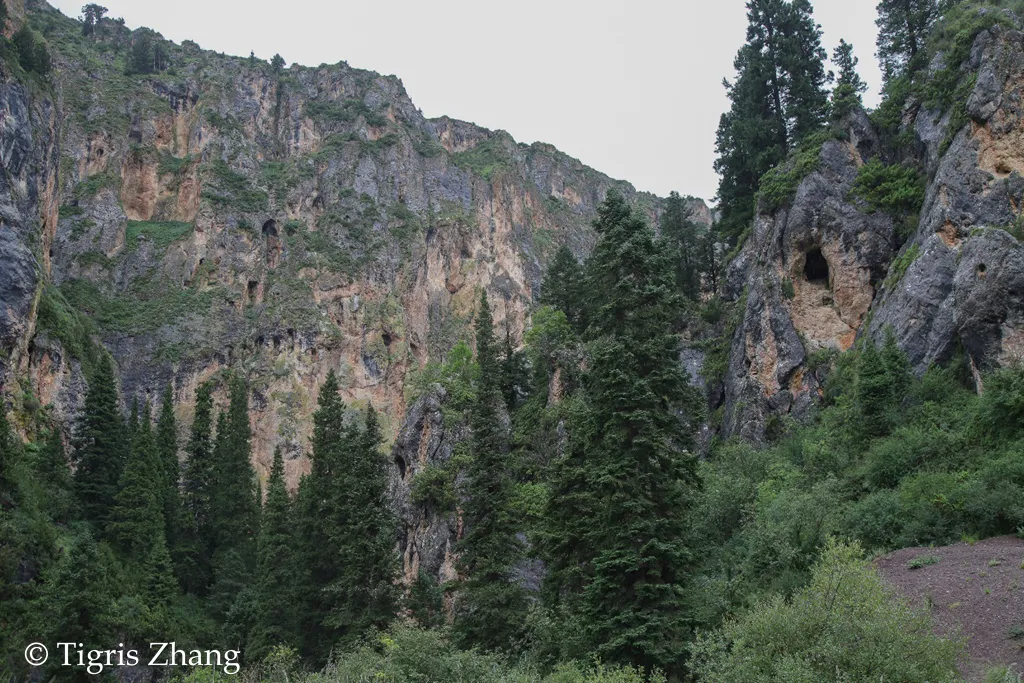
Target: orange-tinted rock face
x,y
226,217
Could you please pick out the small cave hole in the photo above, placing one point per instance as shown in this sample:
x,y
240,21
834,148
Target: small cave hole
x,y
981,269
99,152
51,253
270,228
260,340
386,338
401,467
816,267
252,288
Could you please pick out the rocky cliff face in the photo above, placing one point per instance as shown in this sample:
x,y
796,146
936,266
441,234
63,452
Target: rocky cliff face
x,y
825,268
221,214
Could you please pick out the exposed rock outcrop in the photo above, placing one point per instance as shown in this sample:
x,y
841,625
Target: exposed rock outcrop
x,y
810,271
824,269
965,288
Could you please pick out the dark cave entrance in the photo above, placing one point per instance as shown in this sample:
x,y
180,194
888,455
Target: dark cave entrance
x,y
816,267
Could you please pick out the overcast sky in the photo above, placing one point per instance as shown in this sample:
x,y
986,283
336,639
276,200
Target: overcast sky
x,y
630,87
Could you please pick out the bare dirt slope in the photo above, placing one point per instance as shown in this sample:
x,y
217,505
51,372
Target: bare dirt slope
x,y
974,588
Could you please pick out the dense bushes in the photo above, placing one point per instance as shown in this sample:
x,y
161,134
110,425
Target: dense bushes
x,y
847,625
923,460
408,655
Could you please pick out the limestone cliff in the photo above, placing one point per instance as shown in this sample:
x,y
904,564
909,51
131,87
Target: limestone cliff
x,y
825,267
223,214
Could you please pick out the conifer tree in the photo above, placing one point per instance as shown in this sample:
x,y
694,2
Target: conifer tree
x,y
234,480
275,616
100,448
79,595
363,595
194,548
318,521
9,452
158,571
138,513
561,286
849,85
426,601
872,392
91,16
515,375
617,517
54,475
680,235
902,28
168,468
489,606
777,99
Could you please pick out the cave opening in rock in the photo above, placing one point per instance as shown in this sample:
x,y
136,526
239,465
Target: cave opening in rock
x,y
816,267
253,289
401,466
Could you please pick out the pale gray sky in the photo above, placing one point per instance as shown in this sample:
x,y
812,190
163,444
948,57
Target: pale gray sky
x,y
629,87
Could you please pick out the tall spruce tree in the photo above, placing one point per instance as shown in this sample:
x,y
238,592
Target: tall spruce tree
x,y
680,234
195,539
561,286
489,606
847,92
100,447
235,507
777,99
902,28
275,597
363,595
54,475
318,521
138,515
168,468
617,516
158,573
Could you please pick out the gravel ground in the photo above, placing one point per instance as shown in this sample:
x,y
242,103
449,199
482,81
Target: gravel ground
x,y
976,588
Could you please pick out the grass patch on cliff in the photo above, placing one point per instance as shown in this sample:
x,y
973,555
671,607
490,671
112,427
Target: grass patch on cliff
x,y
147,305
161,233
485,159
75,332
91,186
233,190
899,266
330,111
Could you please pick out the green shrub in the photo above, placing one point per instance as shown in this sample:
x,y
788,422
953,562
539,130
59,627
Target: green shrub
x,y
486,158
898,268
408,655
893,188
923,561
234,191
787,288
161,233
846,625
778,185
434,486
